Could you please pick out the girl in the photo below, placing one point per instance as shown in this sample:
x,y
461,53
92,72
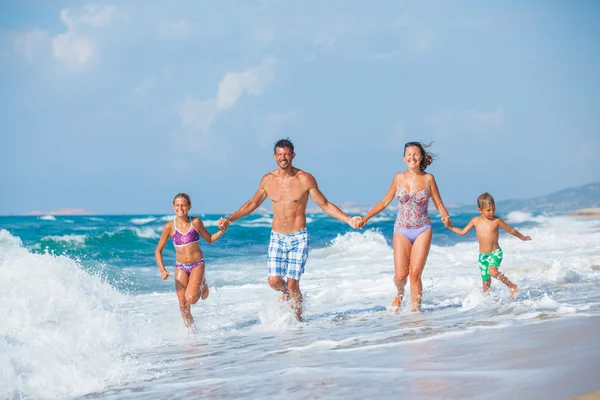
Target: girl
x,y
412,231
185,233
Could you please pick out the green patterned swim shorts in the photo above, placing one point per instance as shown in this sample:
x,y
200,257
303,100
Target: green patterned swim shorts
x,y
486,261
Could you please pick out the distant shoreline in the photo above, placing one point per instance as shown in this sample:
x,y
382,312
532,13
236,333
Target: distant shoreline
x,y
61,211
587,213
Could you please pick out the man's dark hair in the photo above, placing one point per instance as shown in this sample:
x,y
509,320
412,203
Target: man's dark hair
x,y
283,143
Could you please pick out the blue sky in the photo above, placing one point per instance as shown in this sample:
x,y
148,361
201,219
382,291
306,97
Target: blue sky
x,y
114,107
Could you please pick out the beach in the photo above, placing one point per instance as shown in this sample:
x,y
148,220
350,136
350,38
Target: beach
x,y
109,327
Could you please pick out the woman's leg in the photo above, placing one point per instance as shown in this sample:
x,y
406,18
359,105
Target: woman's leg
x,y
181,283
418,258
402,248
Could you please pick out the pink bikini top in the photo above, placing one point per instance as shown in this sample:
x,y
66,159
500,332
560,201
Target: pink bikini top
x,y
412,209
183,239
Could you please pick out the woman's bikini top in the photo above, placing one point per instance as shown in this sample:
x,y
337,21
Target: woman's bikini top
x,y
183,239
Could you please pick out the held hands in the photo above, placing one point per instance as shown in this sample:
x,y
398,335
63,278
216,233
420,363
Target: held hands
x,y
356,222
447,221
224,223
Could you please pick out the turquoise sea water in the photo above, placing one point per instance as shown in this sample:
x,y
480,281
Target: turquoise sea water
x,y
88,315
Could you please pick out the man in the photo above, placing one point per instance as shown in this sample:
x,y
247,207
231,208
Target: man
x,y
288,188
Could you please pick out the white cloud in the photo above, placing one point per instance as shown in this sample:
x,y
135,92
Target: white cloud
x,y
197,116
253,80
467,122
419,45
74,47
142,88
31,43
179,29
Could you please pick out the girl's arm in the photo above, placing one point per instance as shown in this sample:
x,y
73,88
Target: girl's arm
x,y
164,274
437,201
462,231
512,230
383,203
199,226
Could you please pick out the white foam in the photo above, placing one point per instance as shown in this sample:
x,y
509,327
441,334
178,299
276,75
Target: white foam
x,y
143,221
73,239
64,332
48,217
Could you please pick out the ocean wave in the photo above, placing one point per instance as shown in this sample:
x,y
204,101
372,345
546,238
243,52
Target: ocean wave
x,y
517,217
63,320
48,217
142,221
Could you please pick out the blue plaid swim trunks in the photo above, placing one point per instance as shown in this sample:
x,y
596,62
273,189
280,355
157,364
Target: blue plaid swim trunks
x,y
287,254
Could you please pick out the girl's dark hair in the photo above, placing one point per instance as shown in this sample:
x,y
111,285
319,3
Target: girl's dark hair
x,y
282,144
184,196
427,157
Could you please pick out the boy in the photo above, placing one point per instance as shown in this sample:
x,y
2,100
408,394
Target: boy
x,y
490,254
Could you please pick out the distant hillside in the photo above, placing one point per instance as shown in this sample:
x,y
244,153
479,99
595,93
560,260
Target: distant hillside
x,y
561,202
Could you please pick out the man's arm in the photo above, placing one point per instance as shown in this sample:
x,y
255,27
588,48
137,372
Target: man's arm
x,y
249,206
320,200
512,230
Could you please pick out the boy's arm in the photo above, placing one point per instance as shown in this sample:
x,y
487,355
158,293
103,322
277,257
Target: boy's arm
x,y
512,230
201,229
464,230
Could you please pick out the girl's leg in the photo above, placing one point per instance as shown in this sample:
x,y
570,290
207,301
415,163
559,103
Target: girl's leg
x,y
418,258
502,278
196,285
402,247
181,282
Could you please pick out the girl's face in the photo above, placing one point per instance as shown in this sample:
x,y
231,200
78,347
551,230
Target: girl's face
x,y
181,207
413,157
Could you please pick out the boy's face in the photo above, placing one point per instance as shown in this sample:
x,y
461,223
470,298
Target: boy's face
x,y
488,211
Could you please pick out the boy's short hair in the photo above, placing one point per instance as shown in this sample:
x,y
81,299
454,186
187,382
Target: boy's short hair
x,y
282,144
485,199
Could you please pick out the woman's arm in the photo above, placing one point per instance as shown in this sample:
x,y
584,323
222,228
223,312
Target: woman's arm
x,y
437,201
383,203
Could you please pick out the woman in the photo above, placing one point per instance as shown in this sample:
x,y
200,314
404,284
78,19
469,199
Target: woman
x,y
412,230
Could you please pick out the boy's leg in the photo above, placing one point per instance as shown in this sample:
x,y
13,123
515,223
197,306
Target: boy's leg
x,y
486,285
502,278
181,282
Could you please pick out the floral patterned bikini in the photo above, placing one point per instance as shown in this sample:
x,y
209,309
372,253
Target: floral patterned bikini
x,y
413,218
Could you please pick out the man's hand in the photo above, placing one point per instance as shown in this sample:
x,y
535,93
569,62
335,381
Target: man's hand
x,y
224,223
356,222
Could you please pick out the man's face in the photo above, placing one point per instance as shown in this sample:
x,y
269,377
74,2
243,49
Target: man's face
x,y
283,156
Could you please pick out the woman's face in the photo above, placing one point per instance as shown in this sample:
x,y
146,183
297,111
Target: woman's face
x,y
413,157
